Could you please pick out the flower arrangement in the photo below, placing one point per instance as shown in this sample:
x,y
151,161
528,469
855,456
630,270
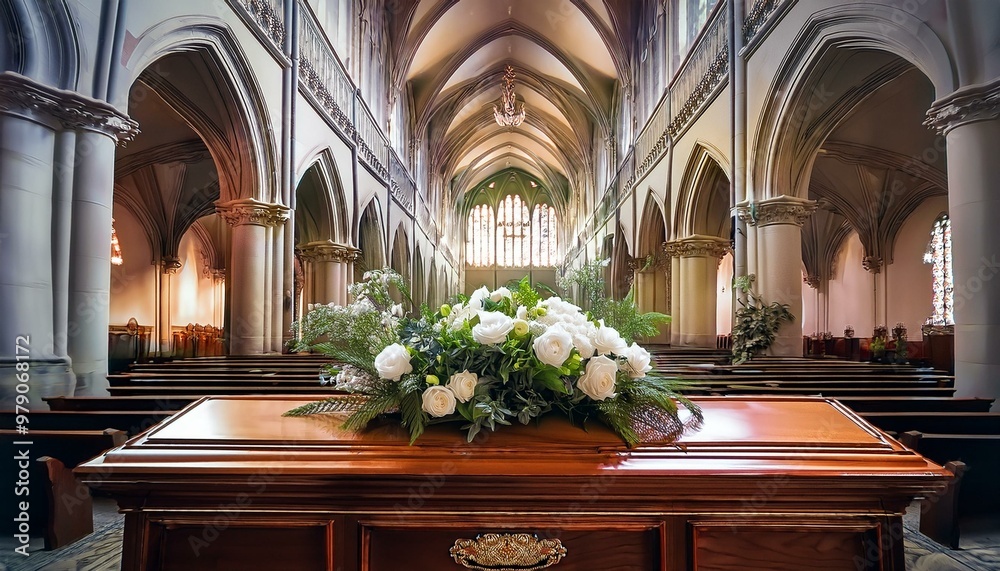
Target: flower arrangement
x,y
490,359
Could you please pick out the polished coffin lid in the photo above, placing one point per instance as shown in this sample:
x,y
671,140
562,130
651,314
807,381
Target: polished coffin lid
x,y
805,436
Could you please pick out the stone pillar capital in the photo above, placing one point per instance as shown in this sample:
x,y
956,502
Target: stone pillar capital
x,y
328,252
872,264
778,210
72,111
812,281
699,246
250,211
971,103
170,265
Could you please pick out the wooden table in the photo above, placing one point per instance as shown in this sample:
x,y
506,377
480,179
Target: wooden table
x,y
768,483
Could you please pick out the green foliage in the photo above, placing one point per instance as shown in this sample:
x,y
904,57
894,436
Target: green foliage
x,y
877,347
589,280
625,316
756,323
355,333
622,314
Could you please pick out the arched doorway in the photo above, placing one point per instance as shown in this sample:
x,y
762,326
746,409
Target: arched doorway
x,y
704,239
653,273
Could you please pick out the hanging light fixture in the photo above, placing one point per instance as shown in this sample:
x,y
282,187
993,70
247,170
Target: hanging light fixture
x,y
509,114
116,249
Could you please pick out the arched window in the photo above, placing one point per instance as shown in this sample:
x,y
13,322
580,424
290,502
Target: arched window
x,y
514,237
480,236
938,255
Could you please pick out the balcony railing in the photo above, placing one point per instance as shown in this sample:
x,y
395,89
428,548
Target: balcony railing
x,y
652,141
373,148
268,15
703,70
401,186
323,74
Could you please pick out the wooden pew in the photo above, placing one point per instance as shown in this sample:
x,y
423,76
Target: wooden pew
x,y
869,403
916,404
840,392
60,506
173,403
195,380
168,391
936,422
810,383
132,422
977,492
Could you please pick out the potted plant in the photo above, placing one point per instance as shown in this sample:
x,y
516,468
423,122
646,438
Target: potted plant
x,y
878,345
756,323
899,336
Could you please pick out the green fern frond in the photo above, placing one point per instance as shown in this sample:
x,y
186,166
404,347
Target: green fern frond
x,y
414,417
337,404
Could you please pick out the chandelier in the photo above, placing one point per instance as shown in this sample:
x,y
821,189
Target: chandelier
x,y
509,114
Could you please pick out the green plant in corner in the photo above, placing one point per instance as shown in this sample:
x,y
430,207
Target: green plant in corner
x,y
756,322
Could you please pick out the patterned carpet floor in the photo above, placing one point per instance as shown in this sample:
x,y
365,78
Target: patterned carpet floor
x,y
101,551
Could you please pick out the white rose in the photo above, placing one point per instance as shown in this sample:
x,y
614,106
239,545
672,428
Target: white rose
x,y
522,312
492,328
584,345
477,297
598,380
553,347
393,362
607,340
463,385
438,401
500,293
636,362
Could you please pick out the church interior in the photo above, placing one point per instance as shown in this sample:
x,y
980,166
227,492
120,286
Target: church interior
x,y
182,182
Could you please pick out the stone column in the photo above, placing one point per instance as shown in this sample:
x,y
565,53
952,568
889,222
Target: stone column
x,y
169,266
970,120
278,298
332,266
250,220
32,117
321,259
699,258
874,266
779,261
652,287
26,294
676,311
351,256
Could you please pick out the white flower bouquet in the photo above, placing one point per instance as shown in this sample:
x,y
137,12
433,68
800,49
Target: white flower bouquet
x,y
490,359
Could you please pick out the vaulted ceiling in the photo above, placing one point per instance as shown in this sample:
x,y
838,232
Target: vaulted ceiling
x,y
571,58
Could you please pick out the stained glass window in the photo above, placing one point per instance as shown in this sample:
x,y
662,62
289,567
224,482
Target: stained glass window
x,y
514,237
938,255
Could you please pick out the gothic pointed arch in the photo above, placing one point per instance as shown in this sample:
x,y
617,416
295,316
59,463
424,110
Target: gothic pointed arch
x,y
704,204
399,254
419,288
371,238
876,44
198,68
42,43
321,207
622,266
652,229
